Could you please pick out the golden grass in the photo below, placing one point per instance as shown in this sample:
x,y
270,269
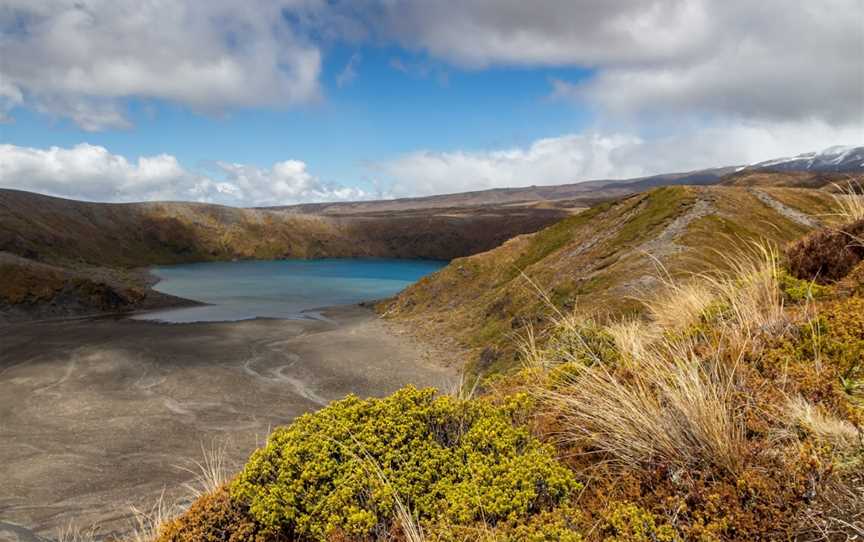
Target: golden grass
x,y
148,522
669,407
669,395
211,472
803,415
71,533
750,295
738,305
459,388
680,304
632,337
850,201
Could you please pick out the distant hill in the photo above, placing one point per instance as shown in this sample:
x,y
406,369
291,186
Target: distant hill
x,y
838,159
583,194
811,169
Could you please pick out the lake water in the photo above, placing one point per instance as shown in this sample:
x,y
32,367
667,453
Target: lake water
x,y
281,288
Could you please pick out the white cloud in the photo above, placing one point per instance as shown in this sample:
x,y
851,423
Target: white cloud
x,y
598,155
77,58
766,60
92,173
555,160
285,182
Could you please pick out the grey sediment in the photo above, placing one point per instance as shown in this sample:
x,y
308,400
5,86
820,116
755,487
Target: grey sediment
x,y
100,413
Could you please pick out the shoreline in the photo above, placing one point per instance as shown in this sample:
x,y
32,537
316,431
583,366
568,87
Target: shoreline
x,y
99,412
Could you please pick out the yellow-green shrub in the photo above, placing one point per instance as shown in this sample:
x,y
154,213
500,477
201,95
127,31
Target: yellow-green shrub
x,y
563,524
797,290
447,459
626,522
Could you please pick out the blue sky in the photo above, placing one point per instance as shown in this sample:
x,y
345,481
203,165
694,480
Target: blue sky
x,y
396,103
281,101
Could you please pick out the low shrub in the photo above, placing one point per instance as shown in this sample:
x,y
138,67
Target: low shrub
x,y
562,524
796,290
341,469
827,255
626,522
216,517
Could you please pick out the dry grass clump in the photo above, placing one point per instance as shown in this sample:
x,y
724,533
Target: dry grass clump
x,y
666,392
632,337
148,522
680,304
803,415
209,473
850,201
691,417
667,407
72,533
738,304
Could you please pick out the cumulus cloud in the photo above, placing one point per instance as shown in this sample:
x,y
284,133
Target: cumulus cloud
x,y
771,59
78,58
598,155
91,172
547,161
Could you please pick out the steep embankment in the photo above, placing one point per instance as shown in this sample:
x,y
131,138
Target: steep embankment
x,y
600,260
70,255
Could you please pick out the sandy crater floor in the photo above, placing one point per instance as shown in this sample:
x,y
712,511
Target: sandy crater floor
x,y
100,415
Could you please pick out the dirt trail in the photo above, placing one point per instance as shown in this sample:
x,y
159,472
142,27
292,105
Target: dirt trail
x,y
792,214
664,244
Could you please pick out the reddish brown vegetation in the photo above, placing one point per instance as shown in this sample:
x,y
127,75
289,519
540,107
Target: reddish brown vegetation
x,y
827,255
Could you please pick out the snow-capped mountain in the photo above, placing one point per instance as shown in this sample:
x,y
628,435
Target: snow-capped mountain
x,y
838,159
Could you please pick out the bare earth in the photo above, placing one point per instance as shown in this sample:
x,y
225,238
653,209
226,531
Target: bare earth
x,y
100,415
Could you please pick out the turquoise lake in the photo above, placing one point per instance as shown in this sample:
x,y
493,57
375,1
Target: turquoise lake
x,y
281,288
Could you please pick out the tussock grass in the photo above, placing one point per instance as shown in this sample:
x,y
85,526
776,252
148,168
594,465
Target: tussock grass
x,y
209,473
850,201
632,337
802,415
667,393
680,303
459,388
669,407
735,307
72,533
750,296
148,522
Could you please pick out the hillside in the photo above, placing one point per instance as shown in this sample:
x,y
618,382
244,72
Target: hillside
x,y
84,250
754,177
599,261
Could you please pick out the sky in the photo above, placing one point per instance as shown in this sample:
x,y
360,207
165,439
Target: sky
x,y
268,102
